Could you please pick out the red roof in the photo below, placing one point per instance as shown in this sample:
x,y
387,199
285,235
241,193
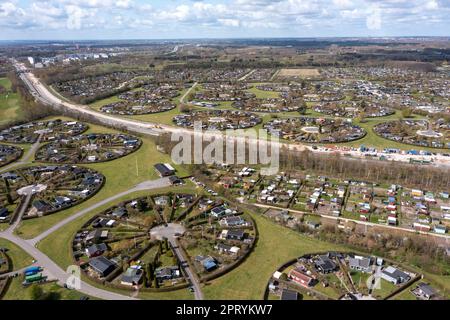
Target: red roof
x,y
300,277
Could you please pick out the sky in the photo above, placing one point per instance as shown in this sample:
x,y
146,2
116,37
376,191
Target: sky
x,y
178,19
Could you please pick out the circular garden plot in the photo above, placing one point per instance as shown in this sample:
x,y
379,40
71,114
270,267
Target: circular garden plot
x,y
422,133
218,119
341,276
274,87
269,105
9,154
352,109
48,130
141,243
315,130
224,92
88,148
152,99
46,189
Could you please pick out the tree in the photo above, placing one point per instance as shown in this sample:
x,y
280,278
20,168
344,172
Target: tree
x,y
36,292
8,191
406,113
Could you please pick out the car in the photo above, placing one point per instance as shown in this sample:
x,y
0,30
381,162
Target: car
x,y
84,298
191,289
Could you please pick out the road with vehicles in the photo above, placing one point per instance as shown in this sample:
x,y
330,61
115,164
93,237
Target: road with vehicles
x,y
45,96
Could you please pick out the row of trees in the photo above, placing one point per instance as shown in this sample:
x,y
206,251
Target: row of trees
x,y
408,175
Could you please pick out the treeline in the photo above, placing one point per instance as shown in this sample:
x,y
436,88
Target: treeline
x,y
411,249
214,64
30,110
414,176
346,168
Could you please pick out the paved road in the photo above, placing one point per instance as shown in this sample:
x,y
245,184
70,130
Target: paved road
x,y
52,268
187,92
41,93
26,158
247,75
56,272
195,282
365,223
171,232
147,185
25,201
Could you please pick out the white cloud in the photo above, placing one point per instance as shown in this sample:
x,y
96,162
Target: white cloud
x,y
373,20
291,17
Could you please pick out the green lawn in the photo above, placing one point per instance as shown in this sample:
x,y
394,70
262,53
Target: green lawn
x,y
9,103
261,94
57,244
121,175
17,292
20,258
249,280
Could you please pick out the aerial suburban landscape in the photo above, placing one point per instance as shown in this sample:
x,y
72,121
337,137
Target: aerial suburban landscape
x,y
95,203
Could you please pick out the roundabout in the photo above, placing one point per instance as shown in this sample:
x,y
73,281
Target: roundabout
x,y
162,242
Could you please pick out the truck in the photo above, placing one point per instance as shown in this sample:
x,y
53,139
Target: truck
x,y
31,271
36,278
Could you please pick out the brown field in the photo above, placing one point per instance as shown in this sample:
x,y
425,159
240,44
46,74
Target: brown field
x,y
298,73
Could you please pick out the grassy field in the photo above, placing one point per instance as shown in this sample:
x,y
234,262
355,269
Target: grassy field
x,y
9,103
261,94
20,258
121,175
249,280
246,282
17,292
57,244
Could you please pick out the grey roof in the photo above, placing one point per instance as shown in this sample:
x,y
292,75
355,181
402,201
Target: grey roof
x,y
395,273
132,275
235,233
289,295
96,247
325,263
101,265
426,289
359,263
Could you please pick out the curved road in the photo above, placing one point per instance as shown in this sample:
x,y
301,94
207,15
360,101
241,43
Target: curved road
x,y
51,267
41,93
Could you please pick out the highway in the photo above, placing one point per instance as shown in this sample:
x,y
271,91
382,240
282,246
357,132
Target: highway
x,y
42,94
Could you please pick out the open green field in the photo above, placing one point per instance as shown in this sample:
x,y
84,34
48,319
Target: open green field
x,y
121,175
9,103
250,279
17,292
19,258
57,245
